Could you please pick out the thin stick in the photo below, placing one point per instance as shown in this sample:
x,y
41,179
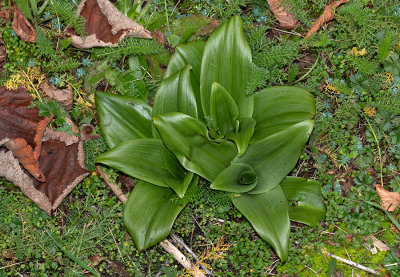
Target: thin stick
x,y
312,270
356,265
379,149
116,244
287,32
178,240
166,244
121,196
386,265
10,265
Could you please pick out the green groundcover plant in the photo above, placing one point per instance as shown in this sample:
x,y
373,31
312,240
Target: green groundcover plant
x,y
204,124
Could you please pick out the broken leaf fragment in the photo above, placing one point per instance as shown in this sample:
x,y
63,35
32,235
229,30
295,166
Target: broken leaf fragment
x,y
286,19
326,16
3,55
21,128
64,97
390,200
22,27
105,25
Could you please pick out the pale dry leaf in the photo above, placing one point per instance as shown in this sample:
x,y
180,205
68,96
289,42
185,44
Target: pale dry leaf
x,y
64,97
105,25
286,20
22,27
390,200
379,244
326,16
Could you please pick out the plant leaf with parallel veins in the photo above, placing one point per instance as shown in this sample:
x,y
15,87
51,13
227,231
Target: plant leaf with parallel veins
x,y
149,213
237,178
243,135
305,195
187,138
143,159
189,54
275,156
223,109
227,61
277,108
268,213
175,94
122,118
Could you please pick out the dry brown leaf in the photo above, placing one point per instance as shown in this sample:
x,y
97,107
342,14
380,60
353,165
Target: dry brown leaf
x,y
21,128
326,16
22,27
63,96
286,20
105,25
390,200
61,161
5,16
3,55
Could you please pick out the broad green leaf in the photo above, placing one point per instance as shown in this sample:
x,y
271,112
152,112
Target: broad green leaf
x,y
143,159
175,94
172,164
150,213
227,61
189,54
188,140
122,118
236,178
223,109
268,213
306,204
243,134
277,108
275,156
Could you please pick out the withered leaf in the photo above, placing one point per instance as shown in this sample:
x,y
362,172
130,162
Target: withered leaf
x,y
286,20
62,162
326,16
64,97
5,16
105,25
22,27
21,128
390,200
3,55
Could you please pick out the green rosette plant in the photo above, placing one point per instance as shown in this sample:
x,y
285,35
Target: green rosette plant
x,y
203,124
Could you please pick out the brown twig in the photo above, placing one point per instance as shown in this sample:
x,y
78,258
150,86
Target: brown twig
x,y
356,265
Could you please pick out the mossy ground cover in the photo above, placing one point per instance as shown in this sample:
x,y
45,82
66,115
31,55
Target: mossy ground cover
x,y
352,68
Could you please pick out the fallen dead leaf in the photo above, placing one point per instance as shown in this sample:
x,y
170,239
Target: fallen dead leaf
x,y
105,25
21,128
286,20
22,27
3,55
326,16
61,161
64,97
390,200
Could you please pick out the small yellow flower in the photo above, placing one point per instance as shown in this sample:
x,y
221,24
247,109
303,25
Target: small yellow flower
x,y
370,111
354,51
329,88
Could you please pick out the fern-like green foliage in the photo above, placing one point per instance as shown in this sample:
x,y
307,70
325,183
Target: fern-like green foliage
x,y
384,46
67,14
388,102
280,54
43,44
363,65
257,38
59,64
23,6
258,79
130,47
